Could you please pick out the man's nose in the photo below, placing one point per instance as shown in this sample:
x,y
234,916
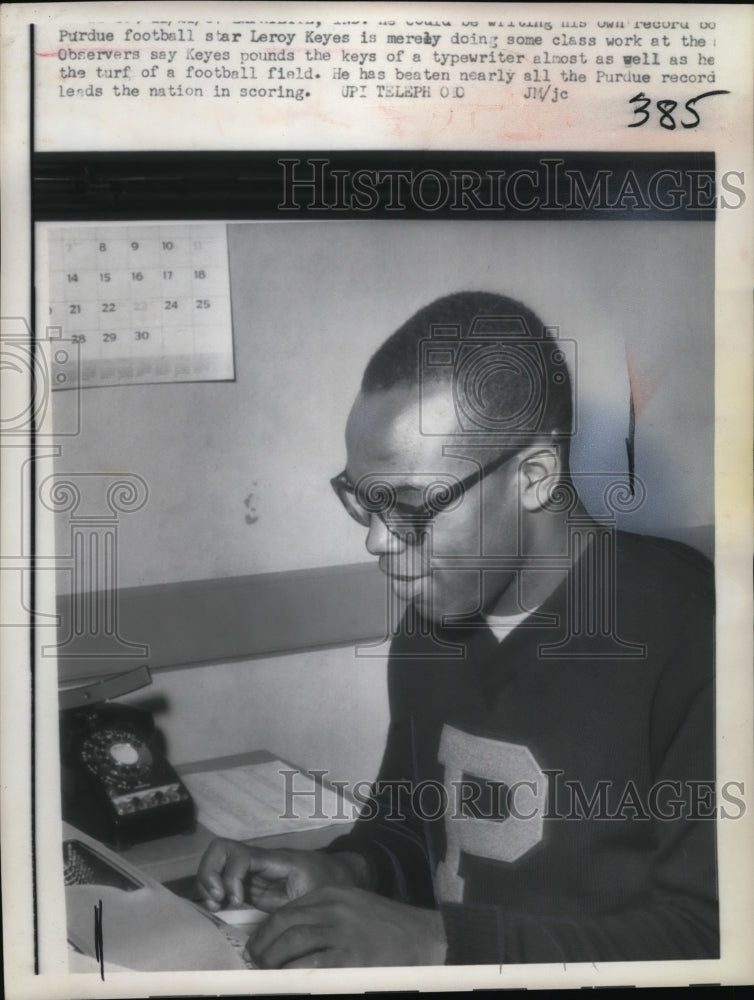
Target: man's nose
x,y
380,540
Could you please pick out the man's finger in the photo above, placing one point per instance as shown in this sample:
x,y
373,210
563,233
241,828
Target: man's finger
x,y
328,958
208,877
291,915
268,896
210,904
234,873
295,942
211,894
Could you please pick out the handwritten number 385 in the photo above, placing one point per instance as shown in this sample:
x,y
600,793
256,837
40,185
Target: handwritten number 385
x,y
667,109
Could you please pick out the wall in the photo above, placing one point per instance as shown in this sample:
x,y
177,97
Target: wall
x,y
322,709
311,301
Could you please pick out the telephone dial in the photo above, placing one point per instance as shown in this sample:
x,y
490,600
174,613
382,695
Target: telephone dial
x,y
117,784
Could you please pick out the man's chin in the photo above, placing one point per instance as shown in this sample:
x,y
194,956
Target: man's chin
x,y
432,599
429,604
414,588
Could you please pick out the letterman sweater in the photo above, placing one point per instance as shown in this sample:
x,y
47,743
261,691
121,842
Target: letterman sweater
x,y
553,794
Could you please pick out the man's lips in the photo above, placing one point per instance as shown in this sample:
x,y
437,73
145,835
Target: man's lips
x,y
400,577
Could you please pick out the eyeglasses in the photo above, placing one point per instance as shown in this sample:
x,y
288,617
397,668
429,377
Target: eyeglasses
x,y
374,494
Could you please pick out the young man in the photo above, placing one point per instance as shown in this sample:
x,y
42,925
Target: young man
x,y
546,789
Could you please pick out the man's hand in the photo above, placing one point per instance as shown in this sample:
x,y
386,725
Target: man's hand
x,y
347,927
230,873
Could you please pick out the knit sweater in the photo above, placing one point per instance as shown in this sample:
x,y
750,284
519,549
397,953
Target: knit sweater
x,y
553,794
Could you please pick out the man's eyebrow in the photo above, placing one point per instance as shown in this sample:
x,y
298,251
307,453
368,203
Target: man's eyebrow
x,y
408,488
398,486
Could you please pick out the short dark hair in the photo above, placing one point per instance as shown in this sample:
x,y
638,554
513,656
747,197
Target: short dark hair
x,y
500,326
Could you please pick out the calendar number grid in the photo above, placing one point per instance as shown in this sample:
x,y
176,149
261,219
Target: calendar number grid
x,y
145,303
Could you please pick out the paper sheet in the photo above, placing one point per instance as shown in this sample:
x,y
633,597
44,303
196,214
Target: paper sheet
x,y
257,800
151,930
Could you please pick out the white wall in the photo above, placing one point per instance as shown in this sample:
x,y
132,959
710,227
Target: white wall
x,y
311,301
321,709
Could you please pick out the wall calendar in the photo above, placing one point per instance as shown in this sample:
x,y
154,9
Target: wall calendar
x,y
143,302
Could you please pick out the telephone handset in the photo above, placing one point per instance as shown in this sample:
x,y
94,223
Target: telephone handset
x,y
117,785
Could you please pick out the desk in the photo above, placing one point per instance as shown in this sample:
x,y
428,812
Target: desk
x,y
174,860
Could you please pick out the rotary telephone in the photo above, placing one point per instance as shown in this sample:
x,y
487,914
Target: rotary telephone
x,y
117,784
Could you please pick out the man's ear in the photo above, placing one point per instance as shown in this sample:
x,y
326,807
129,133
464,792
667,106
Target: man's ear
x,y
538,472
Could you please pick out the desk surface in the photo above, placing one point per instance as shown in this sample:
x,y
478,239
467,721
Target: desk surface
x,y
175,859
